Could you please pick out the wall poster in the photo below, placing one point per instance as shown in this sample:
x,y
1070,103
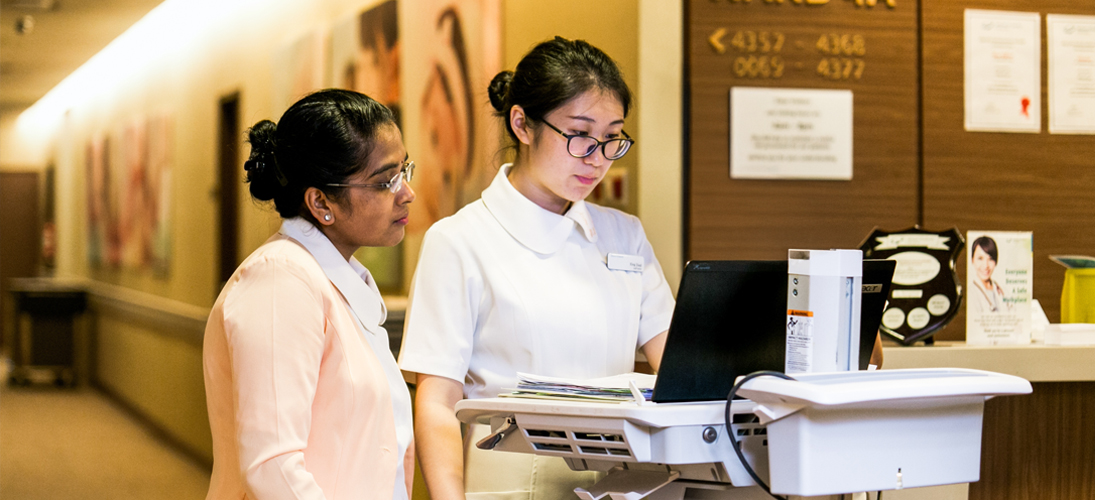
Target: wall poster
x,y
103,246
1003,72
365,55
999,287
129,201
435,83
450,126
1071,50
790,133
298,69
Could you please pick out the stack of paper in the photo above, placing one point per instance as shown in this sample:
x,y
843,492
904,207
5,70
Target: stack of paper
x,y
614,389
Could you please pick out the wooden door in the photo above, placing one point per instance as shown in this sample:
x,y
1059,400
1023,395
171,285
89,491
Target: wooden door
x,y
20,238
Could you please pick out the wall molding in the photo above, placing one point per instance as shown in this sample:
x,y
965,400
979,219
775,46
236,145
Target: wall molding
x,y
155,428
173,318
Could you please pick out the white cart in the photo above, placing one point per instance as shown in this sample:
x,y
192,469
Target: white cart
x,y
822,434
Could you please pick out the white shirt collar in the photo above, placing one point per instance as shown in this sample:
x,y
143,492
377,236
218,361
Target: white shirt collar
x,y
351,278
534,227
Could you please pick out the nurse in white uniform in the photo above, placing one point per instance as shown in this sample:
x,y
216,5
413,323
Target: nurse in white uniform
x,y
531,278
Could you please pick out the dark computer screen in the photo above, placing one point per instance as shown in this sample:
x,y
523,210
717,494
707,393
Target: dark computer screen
x,y
729,321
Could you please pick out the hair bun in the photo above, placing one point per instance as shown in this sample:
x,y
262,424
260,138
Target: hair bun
x,y
499,90
261,165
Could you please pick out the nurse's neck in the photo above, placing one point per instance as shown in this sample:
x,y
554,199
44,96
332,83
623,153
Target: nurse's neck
x,y
520,176
346,249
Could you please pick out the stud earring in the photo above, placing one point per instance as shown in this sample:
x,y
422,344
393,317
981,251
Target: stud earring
x,y
327,217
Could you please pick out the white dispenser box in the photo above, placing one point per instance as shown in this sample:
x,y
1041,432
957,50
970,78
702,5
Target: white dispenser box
x,y
823,304
833,433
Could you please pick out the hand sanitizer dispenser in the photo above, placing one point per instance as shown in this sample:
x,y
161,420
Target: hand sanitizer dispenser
x,y
823,303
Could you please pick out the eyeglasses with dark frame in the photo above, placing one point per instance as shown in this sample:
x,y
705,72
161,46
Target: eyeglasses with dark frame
x,y
406,172
581,146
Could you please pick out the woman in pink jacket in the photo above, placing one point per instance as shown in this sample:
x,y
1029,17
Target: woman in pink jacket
x,y
305,399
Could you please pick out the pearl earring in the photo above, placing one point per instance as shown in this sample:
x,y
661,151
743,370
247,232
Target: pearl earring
x,y
327,217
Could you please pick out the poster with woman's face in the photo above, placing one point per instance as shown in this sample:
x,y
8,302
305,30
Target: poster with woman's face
x,y
365,56
446,123
431,67
999,287
450,128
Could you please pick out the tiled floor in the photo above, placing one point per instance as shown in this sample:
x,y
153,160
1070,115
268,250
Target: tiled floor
x,y
61,444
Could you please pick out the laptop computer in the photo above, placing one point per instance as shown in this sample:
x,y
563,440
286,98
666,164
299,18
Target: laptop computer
x,y
730,320
877,280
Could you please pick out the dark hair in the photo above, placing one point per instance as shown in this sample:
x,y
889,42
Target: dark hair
x,y
988,245
553,73
322,139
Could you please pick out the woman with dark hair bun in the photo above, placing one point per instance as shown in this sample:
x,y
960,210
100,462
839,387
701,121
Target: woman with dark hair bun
x,y
531,278
305,399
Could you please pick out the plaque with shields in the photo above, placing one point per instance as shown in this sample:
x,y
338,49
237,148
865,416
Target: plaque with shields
x,y
925,295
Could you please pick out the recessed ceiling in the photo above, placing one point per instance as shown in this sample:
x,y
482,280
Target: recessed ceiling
x,y
65,34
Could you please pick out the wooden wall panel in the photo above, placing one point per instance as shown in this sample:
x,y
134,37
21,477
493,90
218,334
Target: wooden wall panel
x,y
761,219
1000,181
1039,446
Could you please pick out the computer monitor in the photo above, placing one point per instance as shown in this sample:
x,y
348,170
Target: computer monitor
x,y
877,279
730,320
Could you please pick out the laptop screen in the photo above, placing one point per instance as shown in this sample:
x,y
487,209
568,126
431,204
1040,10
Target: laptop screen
x,y
877,279
730,320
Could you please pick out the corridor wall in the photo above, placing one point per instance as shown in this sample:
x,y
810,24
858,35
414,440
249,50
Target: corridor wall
x,y
149,325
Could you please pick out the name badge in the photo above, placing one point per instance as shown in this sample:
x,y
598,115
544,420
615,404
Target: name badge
x,y
624,262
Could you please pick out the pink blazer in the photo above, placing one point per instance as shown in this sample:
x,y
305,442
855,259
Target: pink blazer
x,y
298,403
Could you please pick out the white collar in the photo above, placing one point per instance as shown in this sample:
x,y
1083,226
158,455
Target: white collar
x,y
530,224
351,278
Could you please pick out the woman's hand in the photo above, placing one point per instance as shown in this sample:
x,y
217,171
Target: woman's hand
x,y
876,353
437,434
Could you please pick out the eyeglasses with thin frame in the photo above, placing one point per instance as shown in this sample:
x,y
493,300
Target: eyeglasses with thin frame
x,y
581,146
406,172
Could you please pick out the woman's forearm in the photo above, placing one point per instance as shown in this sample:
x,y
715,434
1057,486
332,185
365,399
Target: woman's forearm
x,y
653,350
408,470
437,434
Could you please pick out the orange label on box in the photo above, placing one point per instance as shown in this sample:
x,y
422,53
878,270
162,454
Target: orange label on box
x,y
793,312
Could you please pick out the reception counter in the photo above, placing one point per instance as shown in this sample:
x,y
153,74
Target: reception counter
x,y
1036,446
1036,363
